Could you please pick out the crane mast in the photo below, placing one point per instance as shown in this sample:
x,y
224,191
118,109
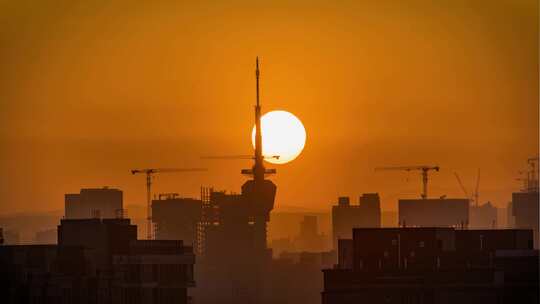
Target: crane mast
x,y
424,171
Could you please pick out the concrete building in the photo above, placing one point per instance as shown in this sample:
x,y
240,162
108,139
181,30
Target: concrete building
x,y
94,203
176,218
526,213
434,265
433,212
346,216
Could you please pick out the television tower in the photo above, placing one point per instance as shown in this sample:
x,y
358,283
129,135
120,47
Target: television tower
x,y
259,193
258,171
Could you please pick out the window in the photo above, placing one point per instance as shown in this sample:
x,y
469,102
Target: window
x,y
385,254
421,244
394,242
413,254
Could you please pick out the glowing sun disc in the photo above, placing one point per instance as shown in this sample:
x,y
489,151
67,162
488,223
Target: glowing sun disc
x,y
283,135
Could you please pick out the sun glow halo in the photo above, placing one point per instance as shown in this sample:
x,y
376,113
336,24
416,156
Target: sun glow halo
x,y
283,135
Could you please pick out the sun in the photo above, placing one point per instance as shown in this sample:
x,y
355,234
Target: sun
x,y
283,135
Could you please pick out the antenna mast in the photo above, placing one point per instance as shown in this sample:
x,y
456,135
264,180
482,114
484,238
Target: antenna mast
x,y
258,168
258,171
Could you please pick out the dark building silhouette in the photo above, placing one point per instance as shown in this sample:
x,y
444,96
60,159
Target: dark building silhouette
x,y
176,218
483,216
94,203
97,261
434,265
433,212
526,213
154,271
105,237
346,216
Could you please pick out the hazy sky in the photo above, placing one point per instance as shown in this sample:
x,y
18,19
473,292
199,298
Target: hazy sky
x,y
91,89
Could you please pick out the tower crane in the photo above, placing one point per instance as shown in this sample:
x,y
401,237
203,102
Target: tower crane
x,y
475,197
149,172
462,186
424,169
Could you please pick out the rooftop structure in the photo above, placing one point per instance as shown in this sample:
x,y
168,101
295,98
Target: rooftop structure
x,y
442,212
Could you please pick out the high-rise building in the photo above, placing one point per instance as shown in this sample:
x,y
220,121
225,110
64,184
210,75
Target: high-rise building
x,y
345,217
94,203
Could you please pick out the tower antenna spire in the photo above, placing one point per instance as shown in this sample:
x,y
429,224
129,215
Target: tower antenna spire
x,y
258,168
257,73
258,171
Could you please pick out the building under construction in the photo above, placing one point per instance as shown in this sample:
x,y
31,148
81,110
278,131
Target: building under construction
x,y
176,218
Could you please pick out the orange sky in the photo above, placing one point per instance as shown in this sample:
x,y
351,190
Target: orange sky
x,y
91,89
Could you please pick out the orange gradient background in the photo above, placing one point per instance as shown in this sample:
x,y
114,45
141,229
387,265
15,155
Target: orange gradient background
x,y
92,89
